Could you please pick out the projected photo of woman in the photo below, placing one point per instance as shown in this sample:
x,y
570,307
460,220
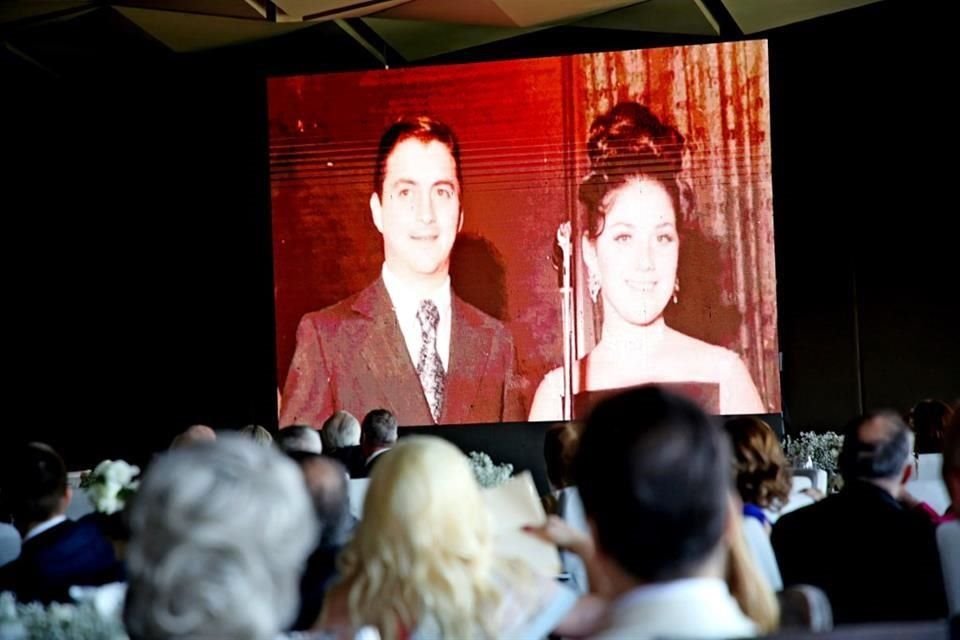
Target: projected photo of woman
x,y
630,241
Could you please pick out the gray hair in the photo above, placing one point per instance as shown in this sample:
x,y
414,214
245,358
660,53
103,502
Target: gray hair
x,y
219,535
258,434
340,430
299,438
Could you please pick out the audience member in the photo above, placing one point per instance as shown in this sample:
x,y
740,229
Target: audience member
x,y
258,434
56,552
762,472
929,419
422,562
378,433
220,532
948,533
194,434
298,438
341,440
654,475
875,558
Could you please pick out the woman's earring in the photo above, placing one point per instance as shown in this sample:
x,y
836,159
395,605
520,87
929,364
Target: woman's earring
x,y
593,285
676,290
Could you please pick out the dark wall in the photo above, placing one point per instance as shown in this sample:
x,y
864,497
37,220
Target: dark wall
x,y
138,252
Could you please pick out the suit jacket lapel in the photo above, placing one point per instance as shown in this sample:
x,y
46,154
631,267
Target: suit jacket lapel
x,y
385,352
469,353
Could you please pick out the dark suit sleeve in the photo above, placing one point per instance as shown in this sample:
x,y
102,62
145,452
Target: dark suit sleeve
x,y
307,397
513,409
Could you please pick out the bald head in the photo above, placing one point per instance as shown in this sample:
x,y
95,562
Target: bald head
x,y
193,435
876,446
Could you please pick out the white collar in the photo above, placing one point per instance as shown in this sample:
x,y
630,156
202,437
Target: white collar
x,y
405,302
44,526
665,590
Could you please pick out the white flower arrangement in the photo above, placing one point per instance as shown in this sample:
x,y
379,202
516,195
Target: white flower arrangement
x,y
809,449
487,473
56,622
110,485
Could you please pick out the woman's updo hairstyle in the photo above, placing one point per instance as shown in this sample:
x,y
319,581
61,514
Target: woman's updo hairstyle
x,y
626,143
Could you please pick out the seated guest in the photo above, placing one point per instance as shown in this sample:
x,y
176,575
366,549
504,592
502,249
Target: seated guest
x,y
951,469
194,434
56,552
762,472
948,533
422,562
654,475
258,434
297,438
875,558
341,440
378,433
929,419
327,483
220,532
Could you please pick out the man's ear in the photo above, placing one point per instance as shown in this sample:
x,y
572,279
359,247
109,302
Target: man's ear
x,y
376,211
460,226
907,471
67,499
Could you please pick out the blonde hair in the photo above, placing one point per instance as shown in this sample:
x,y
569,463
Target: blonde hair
x,y
423,552
748,585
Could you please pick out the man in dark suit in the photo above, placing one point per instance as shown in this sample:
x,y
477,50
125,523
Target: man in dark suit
x,y
56,553
378,433
875,558
406,342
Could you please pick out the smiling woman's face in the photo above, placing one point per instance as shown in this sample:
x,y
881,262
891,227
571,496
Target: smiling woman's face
x,y
635,256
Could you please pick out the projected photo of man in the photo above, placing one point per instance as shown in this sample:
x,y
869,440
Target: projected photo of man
x,y
407,343
633,203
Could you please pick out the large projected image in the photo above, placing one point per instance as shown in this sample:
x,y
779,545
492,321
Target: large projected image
x,y
514,240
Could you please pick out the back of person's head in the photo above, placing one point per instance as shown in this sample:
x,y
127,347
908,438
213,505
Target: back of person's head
x,y
654,475
423,545
299,438
877,446
929,420
34,485
194,434
340,430
762,472
219,535
559,449
258,434
326,481
379,429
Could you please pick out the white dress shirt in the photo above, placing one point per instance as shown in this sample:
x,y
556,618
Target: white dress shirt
x,y
405,306
689,608
43,526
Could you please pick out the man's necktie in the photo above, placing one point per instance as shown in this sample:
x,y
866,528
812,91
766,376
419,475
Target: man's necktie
x,y
429,365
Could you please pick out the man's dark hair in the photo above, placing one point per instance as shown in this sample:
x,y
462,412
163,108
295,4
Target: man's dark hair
x,y
379,428
326,480
422,128
34,482
654,474
875,459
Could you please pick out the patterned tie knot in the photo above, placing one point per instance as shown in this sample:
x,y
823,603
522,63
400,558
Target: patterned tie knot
x,y
428,315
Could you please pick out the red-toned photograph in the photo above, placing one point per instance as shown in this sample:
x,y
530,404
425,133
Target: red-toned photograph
x,y
514,240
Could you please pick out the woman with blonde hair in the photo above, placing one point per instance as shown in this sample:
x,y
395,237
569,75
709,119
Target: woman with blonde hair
x,y
422,562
